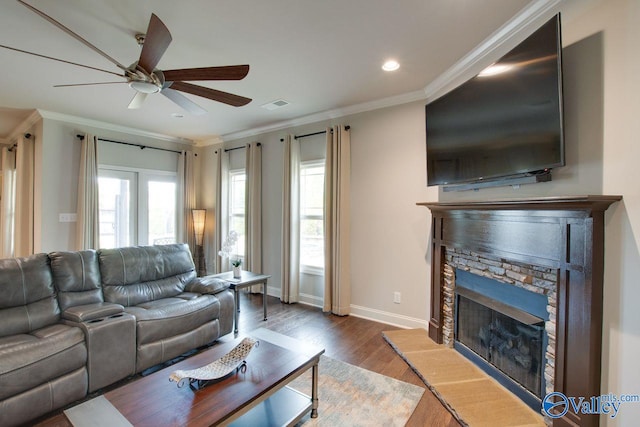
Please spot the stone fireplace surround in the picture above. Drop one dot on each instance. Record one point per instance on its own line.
(564, 235)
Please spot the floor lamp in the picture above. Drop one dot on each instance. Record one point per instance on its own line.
(199, 216)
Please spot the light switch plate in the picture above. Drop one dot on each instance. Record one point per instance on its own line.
(67, 217)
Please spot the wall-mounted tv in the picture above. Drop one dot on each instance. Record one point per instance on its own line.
(504, 123)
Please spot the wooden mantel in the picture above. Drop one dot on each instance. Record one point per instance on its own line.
(588, 203)
(562, 233)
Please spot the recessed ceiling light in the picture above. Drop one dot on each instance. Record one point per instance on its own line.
(390, 65)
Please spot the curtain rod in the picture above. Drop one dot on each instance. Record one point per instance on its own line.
(142, 147)
(15, 145)
(239, 148)
(317, 133)
(313, 134)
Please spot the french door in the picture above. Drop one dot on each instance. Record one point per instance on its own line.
(136, 207)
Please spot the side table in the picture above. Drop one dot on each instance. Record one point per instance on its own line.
(246, 279)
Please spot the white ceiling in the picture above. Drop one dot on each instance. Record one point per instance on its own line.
(318, 55)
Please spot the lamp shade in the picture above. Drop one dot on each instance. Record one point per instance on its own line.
(198, 224)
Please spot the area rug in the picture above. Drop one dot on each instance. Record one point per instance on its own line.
(472, 396)
(352, 396)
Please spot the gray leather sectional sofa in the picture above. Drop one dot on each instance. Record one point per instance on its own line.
(72, 323)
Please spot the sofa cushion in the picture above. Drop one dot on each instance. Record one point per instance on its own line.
(207, 285)
(135, 275)
(167, 317)
(28, 360)
(27, 301)
(76, 276)
(22, 408)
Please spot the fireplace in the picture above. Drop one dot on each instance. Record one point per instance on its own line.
(501, 328)
(533, 241)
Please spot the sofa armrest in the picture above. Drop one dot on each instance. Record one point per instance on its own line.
(207, 285)
(87, 312)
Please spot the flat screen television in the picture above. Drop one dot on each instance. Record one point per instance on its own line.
(506, 122)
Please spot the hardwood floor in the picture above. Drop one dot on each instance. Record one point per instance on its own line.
(350, 339)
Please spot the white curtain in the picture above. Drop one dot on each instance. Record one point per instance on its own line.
(87, 225)
(221, 161)
(253, 210)
(186, 199)
(7, 202)
(290, 273)
(24, 207)
(337, 274)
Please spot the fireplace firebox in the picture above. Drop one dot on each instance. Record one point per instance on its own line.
(505, 345)
(502, 329)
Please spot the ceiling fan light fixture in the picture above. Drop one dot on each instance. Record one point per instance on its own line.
(144, 87)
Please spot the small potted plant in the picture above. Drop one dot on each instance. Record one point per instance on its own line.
(236, 268)
(227, 252)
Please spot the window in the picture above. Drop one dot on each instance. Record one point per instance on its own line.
(237, 188)
(312, 217)
(136, 207)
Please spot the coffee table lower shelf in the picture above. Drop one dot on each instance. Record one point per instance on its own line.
(284, 408)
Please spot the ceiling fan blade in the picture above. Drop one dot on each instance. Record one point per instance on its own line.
(183, 102)
(213, 94)
(61, 60)
(74, 35)
(137, 100)
(156, 42)
(231, 72)
(88, 84)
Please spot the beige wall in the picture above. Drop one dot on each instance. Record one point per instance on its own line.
(617, 21)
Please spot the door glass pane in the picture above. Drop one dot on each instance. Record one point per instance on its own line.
(161, 212)
(114, 212)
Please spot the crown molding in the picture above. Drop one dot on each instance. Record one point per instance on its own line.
(328, 115)
(208, 142)
(112, 127)
(493, 47)
(25, 126)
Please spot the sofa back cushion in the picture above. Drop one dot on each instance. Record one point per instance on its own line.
(139, 274)
(27, 296)
(76, 276)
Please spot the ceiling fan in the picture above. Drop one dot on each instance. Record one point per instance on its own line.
(144, 78)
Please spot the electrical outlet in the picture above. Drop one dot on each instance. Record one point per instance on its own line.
(397, 297)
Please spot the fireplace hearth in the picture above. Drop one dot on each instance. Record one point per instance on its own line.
(528, 242)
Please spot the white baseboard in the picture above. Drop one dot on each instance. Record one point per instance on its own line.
(392, 319)
(380, 316)
(312, 300)
(274, 292)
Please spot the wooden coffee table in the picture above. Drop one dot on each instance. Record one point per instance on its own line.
(259, 396)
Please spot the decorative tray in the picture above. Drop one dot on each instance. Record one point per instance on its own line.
(217, 370)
